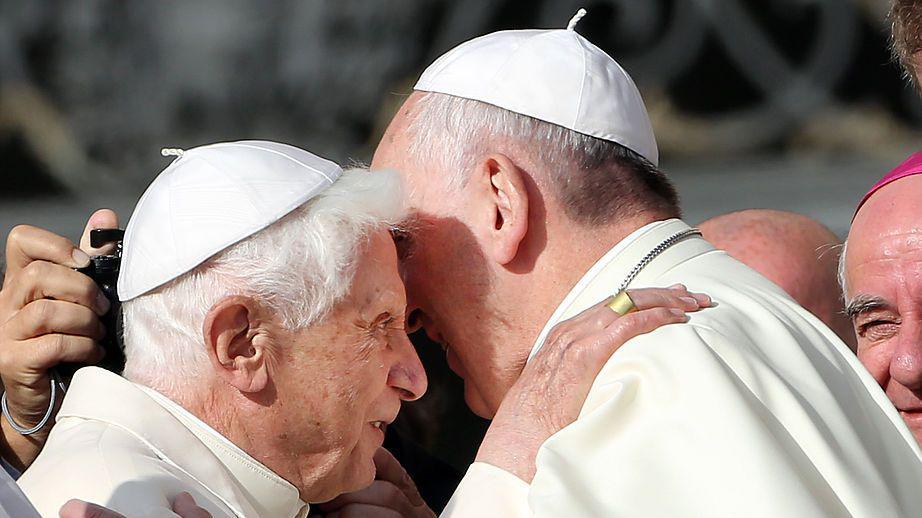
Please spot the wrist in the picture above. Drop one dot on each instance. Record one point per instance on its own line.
(511, 450)
(21, 450)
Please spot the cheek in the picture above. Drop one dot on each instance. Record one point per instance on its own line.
(368, 382)
(876, 359)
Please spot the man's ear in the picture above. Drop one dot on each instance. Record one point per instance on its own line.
(236, 344)
(508, 206)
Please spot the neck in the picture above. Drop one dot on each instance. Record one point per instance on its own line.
(555, 267)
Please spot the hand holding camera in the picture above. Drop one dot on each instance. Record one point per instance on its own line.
(49, 314)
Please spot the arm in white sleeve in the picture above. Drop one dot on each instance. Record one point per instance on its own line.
(487, 490)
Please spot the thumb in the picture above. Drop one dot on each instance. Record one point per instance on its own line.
(102, 218)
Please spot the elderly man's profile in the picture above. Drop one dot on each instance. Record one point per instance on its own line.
(264, 340)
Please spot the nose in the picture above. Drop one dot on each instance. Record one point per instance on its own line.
(407, 374)
(906, 363)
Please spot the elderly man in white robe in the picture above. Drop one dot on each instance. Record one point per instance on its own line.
(264, 339)
(536, 193)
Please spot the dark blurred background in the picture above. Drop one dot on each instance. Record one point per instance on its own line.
(787, 104)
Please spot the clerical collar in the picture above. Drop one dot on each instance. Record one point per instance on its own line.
(179, 438)
(250, 473)
(589, 277)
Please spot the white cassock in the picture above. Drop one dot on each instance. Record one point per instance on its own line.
(131, 449)
(752, 409)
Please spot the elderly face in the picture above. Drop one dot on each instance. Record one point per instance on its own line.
(344, 378)
(884, 293)
(446, 274)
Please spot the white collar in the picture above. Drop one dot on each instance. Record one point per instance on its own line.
(252, 475)
(243, 484)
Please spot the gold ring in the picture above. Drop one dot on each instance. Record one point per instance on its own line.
(622, 304)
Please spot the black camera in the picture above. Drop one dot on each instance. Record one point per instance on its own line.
(103, 269)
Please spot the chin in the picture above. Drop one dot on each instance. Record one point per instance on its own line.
(361, 478)
(476, 403)
(349, 474)
(361, 471)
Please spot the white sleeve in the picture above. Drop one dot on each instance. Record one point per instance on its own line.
(486, 491)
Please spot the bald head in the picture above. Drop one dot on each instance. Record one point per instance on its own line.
(795, 252)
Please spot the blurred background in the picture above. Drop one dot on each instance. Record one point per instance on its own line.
(786, 104)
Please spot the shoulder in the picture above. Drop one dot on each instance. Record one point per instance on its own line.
(754, 348)
(96, 462)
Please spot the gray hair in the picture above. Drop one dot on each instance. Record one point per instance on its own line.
(300, 267)
(595, 180)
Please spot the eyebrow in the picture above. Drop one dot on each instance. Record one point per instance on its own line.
(864, 303)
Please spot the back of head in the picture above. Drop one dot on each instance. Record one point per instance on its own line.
(560, 107)
(795, 252)
(256, 219)
(596, 181)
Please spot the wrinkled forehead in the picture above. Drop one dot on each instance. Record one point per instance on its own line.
(884, 251)
(884, 260)
(890, 221)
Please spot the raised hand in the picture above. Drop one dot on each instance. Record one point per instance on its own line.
(49, 314)
(553, 386)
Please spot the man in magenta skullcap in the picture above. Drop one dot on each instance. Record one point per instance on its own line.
(881, 275)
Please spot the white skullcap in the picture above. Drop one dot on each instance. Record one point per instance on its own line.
(210, 198)
(556, 76)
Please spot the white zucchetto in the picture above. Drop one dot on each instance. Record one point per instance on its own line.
(556, 76)
(209, 198)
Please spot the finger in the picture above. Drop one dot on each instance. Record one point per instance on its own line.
(584, 324)
(102, 218)
(364, 511)
(389, 469)
(604, 344)
(46, 351)
(47, 316)
(642, 322)
(647, 298)
(380, 493)
(80, 509)
(45, 280)
(184, 505)
(703, 300)
(26, 244)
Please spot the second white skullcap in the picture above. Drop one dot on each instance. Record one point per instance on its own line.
(209, 198)
(556, 76)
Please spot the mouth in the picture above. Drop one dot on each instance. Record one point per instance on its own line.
(380, 425)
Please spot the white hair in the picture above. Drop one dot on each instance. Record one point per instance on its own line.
(455, 132)
(594, 178)
(300, 267)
